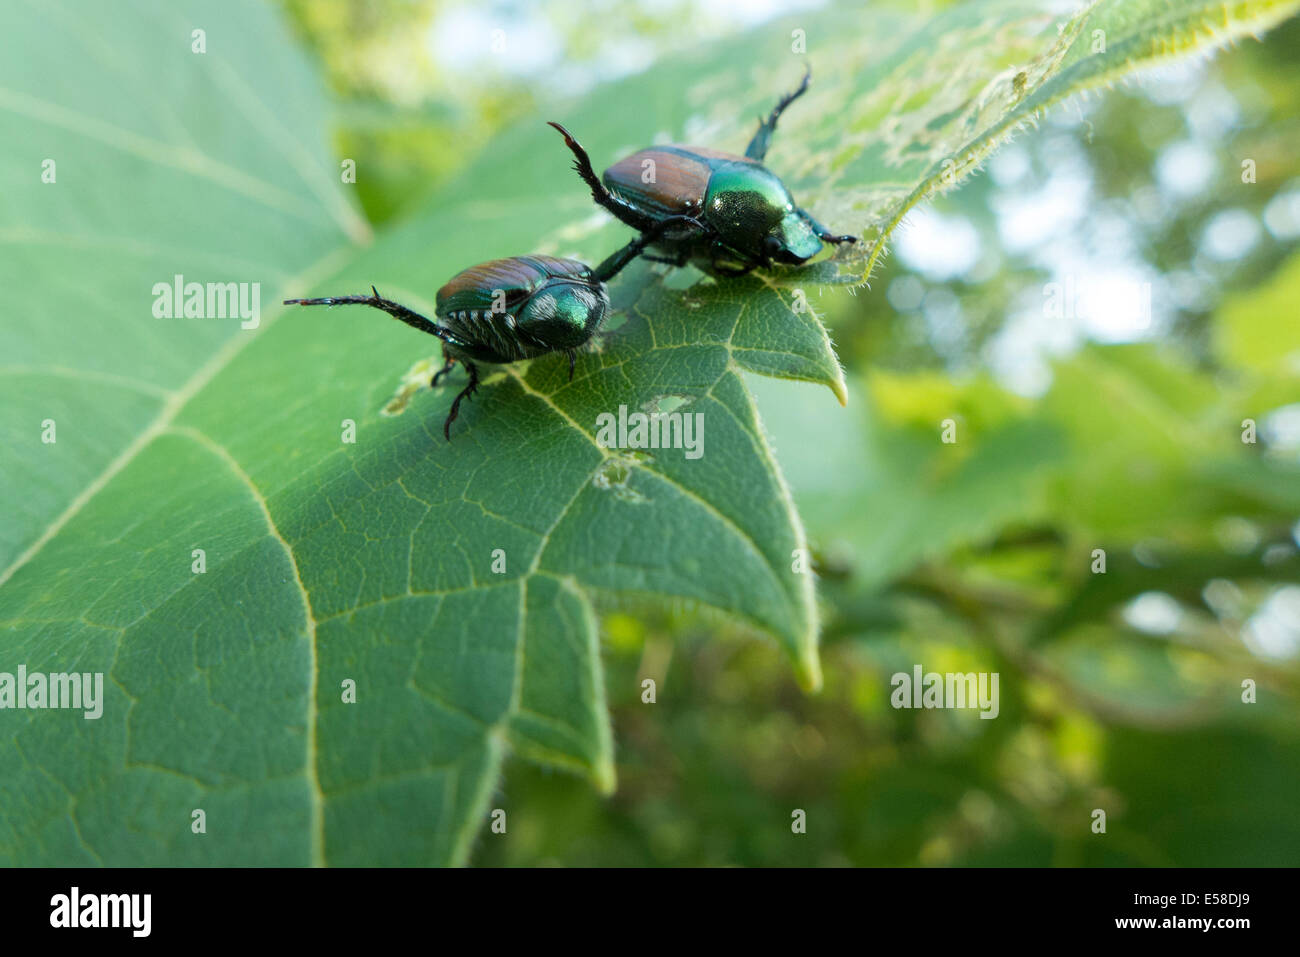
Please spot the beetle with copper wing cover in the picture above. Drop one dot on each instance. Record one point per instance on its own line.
(506, 310)
(742, 215)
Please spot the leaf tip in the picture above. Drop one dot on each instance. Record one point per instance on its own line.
(841, 391)
(808, 670)
(604, 777)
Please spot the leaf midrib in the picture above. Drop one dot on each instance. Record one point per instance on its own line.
(1266, 14)
(173, 405)
(163, 424)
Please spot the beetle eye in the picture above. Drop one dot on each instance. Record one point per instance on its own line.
(771, 245)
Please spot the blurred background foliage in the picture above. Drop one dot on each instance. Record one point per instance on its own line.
(1098, 311)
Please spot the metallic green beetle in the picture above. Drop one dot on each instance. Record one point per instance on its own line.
(745, 215)
(506, 310)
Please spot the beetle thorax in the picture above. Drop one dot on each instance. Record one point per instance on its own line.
(564, 313)
(745, 203)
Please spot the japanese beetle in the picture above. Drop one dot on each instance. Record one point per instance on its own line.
(746, 216)
(506, 310)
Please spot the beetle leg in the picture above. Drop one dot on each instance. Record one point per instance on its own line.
(621, 208)
(394, 309)
(726, 261)
(824, 234)
(729, 270)
(757, 147)
(463, 394)
(448, 364)
(615, 263)
(681, 259)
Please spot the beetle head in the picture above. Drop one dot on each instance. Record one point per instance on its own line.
(792, 241)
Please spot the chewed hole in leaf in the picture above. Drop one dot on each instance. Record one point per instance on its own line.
(663, 404)
(613, 475)
(415, 379)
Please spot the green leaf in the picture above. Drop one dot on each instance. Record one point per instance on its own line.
(1229, 778)
(1256, 331)
(979, 72)
(326, 562)
(912, 496)
(902, 106)
(1158, 447)
(377, 562)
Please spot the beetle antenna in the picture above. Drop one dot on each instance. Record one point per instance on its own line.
(394, 309)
